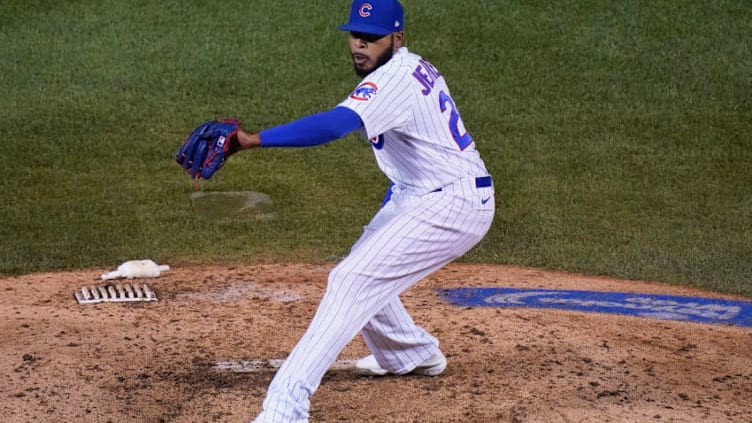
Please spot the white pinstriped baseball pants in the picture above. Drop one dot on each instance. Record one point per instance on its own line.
(409, 238)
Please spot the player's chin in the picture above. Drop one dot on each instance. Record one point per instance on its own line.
(362, 69)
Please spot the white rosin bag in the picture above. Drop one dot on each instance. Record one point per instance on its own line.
(137, 269)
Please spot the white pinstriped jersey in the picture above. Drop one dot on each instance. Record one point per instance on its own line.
(421, 144)
(414, 126)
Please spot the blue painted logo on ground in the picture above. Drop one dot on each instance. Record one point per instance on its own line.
(667, 307)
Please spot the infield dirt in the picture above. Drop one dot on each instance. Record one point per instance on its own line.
(154, 362)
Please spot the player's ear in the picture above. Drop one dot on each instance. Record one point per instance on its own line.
(399, 38)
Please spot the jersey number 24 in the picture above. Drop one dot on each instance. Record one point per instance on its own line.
(455, 121)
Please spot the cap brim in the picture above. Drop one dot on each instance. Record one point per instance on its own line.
(366, 29)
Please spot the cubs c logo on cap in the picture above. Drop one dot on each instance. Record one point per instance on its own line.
(365, 10)
(376, 17)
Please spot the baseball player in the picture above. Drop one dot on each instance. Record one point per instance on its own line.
(440, 203)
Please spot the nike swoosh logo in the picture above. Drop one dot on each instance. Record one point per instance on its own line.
(485, 200)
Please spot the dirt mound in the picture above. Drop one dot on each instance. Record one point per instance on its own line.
(156, 362)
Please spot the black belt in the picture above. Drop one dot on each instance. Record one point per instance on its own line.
(480, 182)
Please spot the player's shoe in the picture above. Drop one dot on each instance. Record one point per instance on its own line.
(434, 366)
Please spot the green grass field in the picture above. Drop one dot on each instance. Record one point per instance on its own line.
(619, 134)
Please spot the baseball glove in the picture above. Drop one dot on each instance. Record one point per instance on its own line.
(207, 148)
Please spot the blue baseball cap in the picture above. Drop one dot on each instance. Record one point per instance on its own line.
(377, 17)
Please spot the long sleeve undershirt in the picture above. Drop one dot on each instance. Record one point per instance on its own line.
(316, 129)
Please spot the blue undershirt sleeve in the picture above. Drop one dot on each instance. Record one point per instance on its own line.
(312, 130)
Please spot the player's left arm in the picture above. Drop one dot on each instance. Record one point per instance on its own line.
(209, 146)
(309, 131)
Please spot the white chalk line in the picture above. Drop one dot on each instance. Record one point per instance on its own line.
(272, 364)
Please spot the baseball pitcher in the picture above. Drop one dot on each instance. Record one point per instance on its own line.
(440, 203)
